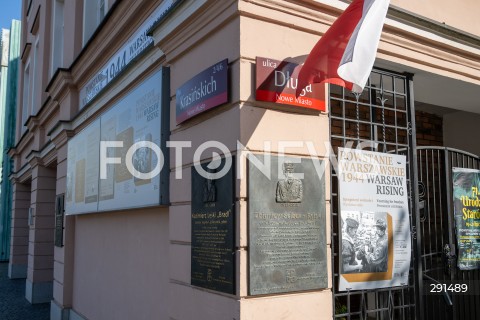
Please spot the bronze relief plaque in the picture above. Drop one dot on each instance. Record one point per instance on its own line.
(286, 213)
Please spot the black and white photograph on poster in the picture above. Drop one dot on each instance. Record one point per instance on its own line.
(374, 218)
(364, 242)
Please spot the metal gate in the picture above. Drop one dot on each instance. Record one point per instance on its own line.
(437, 232)
(382, 114)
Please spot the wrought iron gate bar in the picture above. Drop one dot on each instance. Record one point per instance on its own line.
(366, 140)
(435, 170)
(452, 151)
(366, 122)
(365, 104)
(434, 180)
(414, 212)
(441, 200)
(361, 119)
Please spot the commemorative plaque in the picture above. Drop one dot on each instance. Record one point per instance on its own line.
(213, 229)
(287, 246)
(59, 216)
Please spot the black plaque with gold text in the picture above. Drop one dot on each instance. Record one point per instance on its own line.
(59, 216)
(287, 245)
(213, 229)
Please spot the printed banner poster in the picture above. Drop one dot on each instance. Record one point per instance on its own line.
(375, 227)
(466, 189)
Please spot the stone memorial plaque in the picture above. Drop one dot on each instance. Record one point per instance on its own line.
(213, 230)
(287, 246)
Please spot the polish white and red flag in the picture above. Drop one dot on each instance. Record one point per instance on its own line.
(345, 54)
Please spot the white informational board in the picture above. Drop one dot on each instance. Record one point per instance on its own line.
(135, 118)
(375, 245)
(83, 170)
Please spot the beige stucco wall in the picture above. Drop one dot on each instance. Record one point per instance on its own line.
(216, 37)
(271, 33)
(461, 14)
(121, 265)
(251, 123)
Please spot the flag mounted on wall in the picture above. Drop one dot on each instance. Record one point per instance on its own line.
(345, 54)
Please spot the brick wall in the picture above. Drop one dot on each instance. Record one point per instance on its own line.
(429, 129)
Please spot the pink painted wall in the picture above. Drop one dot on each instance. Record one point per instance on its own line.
(121, 259)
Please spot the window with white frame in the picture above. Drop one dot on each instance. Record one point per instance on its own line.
(93, 13)
(57, 36)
